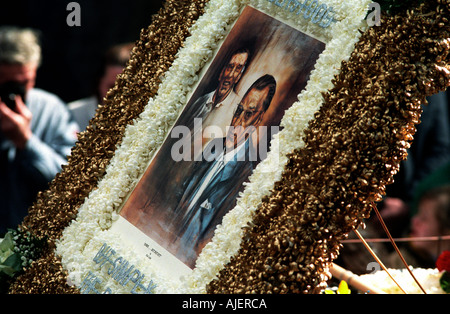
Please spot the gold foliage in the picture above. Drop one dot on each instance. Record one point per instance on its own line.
(353, 148)
(55, 208)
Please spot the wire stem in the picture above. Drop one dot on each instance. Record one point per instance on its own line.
(377, 259)
(395, 247)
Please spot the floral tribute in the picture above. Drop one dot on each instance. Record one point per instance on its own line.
(58, 206)
(352, 148)
(338, 154)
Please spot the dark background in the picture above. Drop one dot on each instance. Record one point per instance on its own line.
(72, 55)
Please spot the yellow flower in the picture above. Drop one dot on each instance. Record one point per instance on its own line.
(343, 288)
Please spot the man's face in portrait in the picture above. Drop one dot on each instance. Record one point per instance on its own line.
(230, 75)
(248, 114)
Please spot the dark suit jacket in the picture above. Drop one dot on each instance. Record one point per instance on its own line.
(197, 226)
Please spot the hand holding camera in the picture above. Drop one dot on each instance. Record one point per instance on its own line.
(15, 118)
(9, 91)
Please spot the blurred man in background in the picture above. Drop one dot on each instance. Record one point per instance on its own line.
(36, 128)
(114, 61)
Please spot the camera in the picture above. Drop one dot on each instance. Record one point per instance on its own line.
(8, 92)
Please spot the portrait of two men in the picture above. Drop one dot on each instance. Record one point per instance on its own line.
(222, 134)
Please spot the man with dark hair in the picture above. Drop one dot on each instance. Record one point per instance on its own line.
(37, 131)
(222, 100)
(167, 172)
(215, 109)
(213, 186)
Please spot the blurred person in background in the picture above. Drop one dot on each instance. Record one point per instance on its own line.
(427, 166)
(429, 151)
(114, 61)
(431, 220)
(37, 131)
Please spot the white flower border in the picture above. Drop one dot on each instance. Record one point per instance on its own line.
(86, 234)
(428, 277)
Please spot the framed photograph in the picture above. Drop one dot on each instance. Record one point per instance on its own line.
(224, 133)
(233, 105)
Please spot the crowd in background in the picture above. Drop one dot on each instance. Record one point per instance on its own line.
(52, 78)
(417, 204)
(38, 129)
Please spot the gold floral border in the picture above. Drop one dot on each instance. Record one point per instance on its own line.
(352, 149)
(297, 228)
(55, 208)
